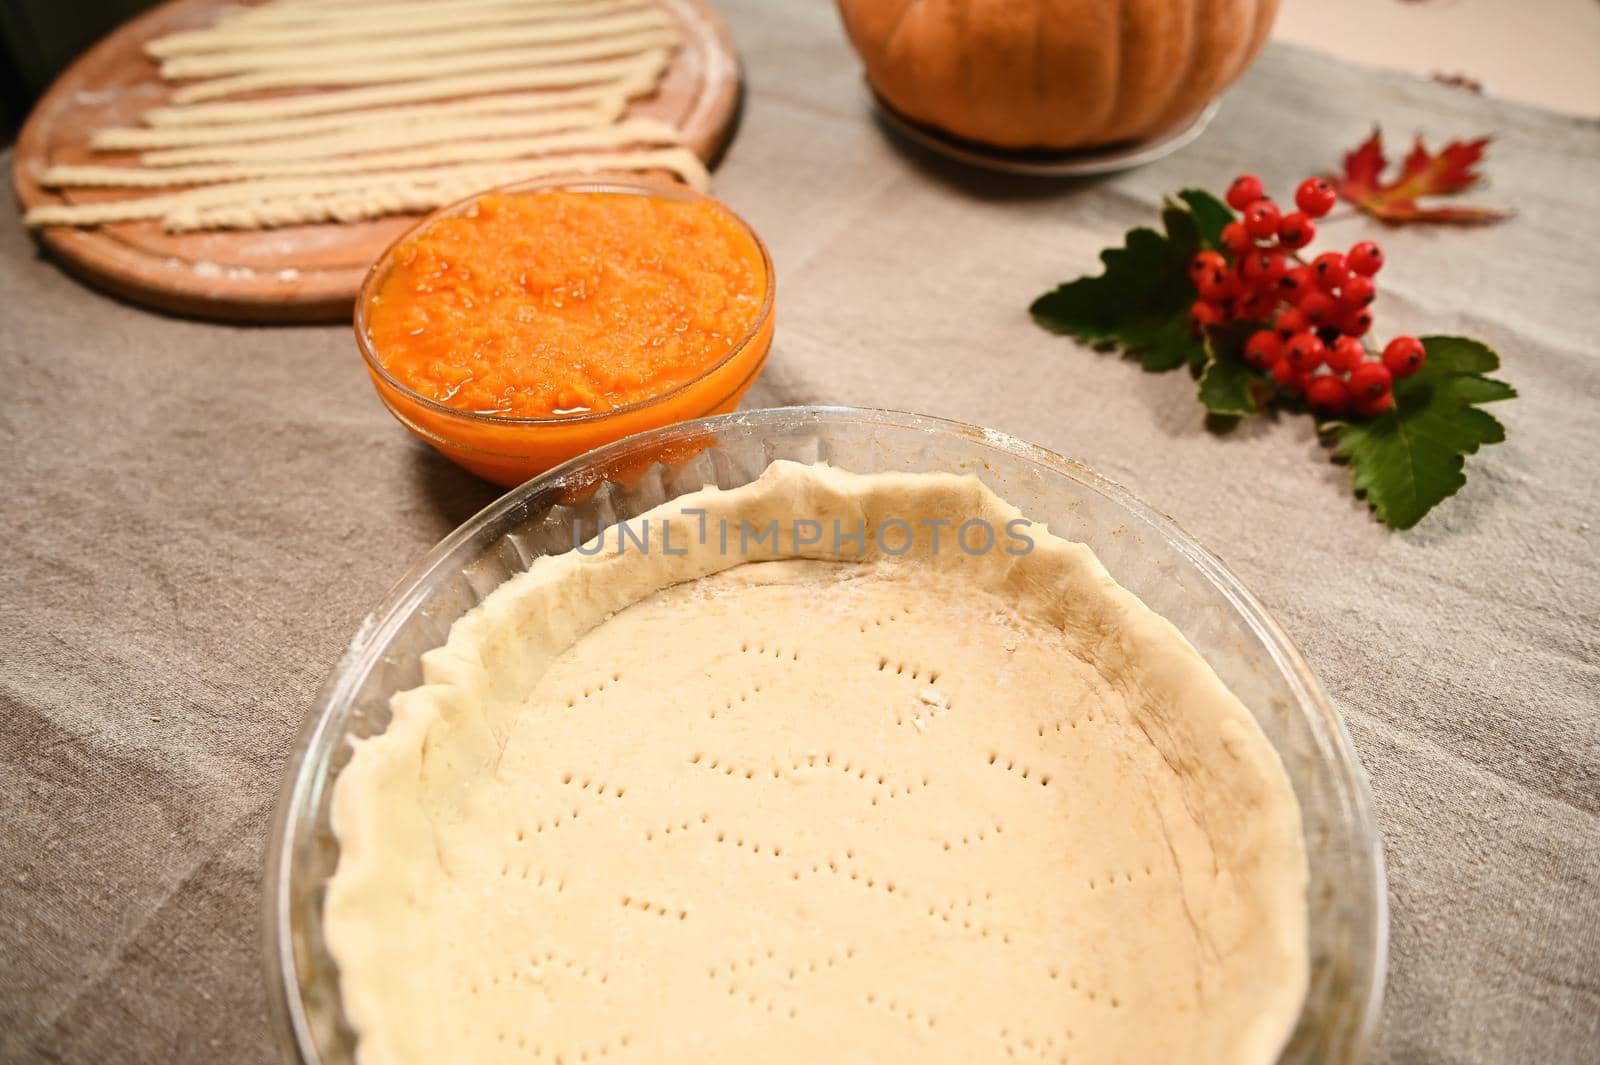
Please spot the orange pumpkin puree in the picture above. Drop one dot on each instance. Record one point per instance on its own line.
(564, 303)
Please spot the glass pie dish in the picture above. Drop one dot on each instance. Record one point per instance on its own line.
(1143, 550)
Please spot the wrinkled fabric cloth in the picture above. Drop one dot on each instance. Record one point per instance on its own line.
(198, 516)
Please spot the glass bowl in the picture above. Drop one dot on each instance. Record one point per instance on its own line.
(509, 450)
(1142, 549)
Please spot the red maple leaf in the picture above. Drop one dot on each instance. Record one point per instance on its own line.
(1423, 173)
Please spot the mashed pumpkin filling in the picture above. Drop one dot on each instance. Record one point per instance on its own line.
(566, 302)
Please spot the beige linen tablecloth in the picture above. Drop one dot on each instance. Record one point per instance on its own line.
(197, 517)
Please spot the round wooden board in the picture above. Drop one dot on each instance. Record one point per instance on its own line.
(296, 273)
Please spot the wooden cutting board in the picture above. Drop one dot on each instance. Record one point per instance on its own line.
(296, 273)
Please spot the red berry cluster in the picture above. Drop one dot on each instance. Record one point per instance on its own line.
(1318, 311)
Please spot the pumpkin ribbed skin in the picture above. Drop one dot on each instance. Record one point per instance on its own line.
(1054, 73)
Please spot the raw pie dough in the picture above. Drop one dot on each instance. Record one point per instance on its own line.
(934, 808)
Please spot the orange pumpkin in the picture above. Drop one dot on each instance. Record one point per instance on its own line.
(1055, 74)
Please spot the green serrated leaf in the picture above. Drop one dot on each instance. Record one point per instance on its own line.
(1183, 233)
(1160, 343)
(1227, 383)
(1210, 215)
(1407, 461)
(1228, 389)
(1140, 304)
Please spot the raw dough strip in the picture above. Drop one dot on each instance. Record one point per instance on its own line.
(253, 60)
(385, 200)
(351, 124)
(393, 10)
(435, 19)
(648, 65)
(414, 197)
(295, 200)
(638, 131)
(546, 57)
(341, 5)
(389, 137)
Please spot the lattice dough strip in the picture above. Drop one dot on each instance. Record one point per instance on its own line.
(187, 209)
(271, 135)
(403, 198)
(648, 65)
(393, 10)
(638, 131)
(428, 67)
(367, 52)
(433, 20)
(392, 136)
